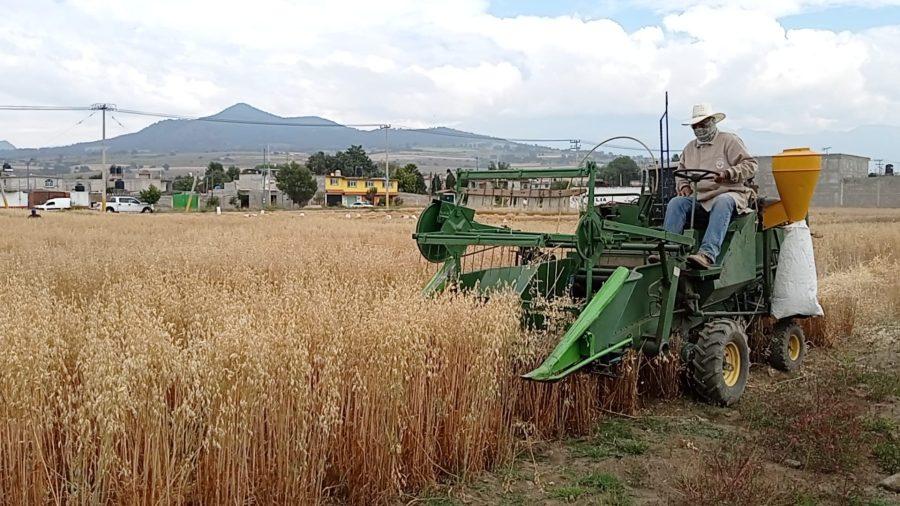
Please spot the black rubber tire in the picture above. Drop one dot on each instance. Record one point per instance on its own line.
(146, 210)
(707, 363)
(110, 210)
(781, 356)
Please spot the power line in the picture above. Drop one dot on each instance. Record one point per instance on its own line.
(69, 129)
(43, 108)
(437, 131)
(117, 121)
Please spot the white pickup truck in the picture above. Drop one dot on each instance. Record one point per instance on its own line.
(55, 204)
(127, 205)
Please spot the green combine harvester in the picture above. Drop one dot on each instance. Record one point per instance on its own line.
(624, 299)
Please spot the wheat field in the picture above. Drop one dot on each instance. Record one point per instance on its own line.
(289, 358)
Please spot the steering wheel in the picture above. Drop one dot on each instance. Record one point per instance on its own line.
(695, 175)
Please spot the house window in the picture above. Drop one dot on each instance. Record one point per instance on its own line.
(351, 184)
(334, 182)
(48, 183)
(370, 184)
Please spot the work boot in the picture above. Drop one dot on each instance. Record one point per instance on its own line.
(653, 258)
(700, 260)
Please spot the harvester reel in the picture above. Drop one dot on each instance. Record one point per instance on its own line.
(429, 222)
(589, 237)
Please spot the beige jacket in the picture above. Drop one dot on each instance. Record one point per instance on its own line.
(726, 155)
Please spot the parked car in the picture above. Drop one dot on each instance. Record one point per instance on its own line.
(361, 203)
(55, 204)
(127, 205)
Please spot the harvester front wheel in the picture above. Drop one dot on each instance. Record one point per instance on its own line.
(788, 346)
(720, 362)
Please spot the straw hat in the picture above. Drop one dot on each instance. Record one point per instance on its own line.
(701, 112)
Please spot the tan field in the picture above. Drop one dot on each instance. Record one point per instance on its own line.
(290, 358)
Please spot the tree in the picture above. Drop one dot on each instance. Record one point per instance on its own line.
(620, 171)
(562, 184)
(183, 183)
(450, 180)
(215, 174)
(352, 162)
(296, 181)
(435, 184)
(355, 161)
(675, 157)
(409, 179)
(322, 164)
(151, 195)
(232, 174)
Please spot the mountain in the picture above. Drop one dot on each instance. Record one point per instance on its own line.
(5, 145)
(243, 127)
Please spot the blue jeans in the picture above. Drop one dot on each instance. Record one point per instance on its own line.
(678, 213)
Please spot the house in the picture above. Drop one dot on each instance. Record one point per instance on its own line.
(345, 191)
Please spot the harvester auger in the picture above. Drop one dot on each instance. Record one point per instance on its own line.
(623, 299)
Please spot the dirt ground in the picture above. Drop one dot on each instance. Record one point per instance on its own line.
(836, 447)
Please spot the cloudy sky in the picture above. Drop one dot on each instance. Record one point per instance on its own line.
(553, 68)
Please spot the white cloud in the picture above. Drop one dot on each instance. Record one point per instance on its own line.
(435, 62)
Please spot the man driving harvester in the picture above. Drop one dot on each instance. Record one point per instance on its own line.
(719, 195)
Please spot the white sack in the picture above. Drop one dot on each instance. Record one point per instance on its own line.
(794, 293)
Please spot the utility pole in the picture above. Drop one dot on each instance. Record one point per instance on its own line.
(826, 149)
(262, 195)
(387, 170)
(103, 176)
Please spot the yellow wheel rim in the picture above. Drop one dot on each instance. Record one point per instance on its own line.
(794, 347)
(731, 364)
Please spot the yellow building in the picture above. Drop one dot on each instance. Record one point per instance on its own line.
(347, 191)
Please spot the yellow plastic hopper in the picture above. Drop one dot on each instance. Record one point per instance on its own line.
(796, 172)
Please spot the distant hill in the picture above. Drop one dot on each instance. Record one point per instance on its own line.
(5, 145)
(222, 135)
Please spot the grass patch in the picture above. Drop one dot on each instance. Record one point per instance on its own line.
(887, 455)
(603, 482)
(568, 493)
(602, 488)
(880, 385)
(613, 438)
(880, 425)
(701, 429)
(438, 501)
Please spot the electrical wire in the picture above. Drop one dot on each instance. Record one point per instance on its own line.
(209, 119)
(69, 129)
(43, 108)
(117, 121)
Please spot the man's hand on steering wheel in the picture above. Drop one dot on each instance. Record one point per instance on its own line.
(685, 191)
(720, 178)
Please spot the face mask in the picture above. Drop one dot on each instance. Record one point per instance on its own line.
(705, 133)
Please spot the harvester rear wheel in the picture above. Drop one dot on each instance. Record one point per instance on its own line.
(788, 346)
(720, 362)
